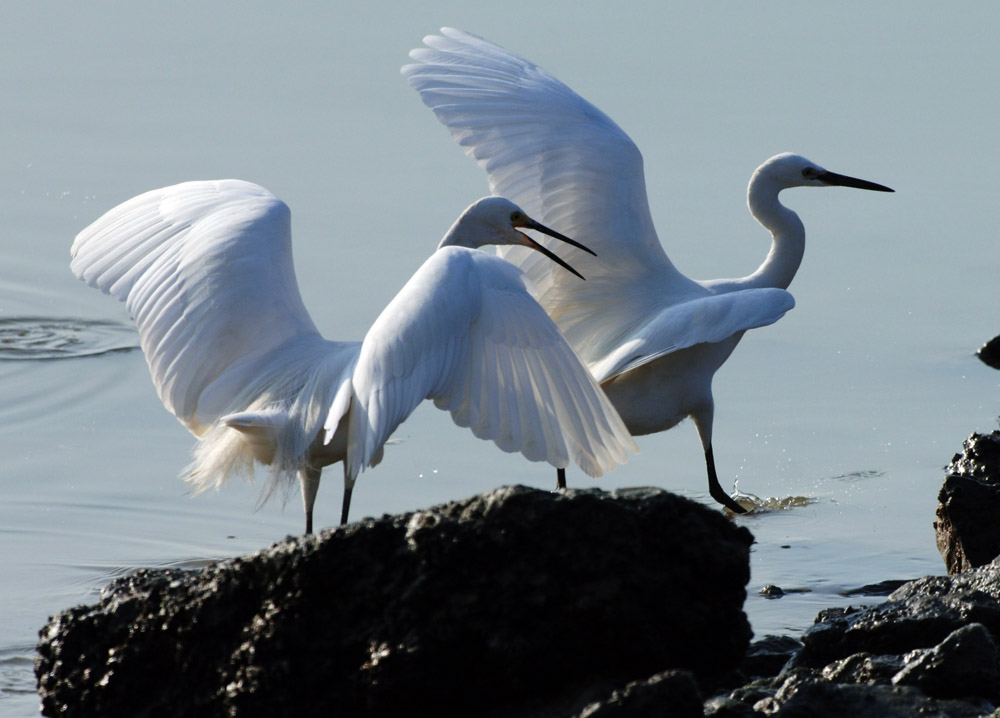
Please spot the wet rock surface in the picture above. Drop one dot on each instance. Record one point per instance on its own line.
(930, 649)
(980, 459)
(967, 528)
(963, 664)
(517, 602)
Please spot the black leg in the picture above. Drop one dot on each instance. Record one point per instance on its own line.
(347, 503)
(560, 478)
(715, 489)
(309, 481)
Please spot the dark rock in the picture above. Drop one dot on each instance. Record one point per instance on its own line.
(806, 696)
(509, 603)
(967, 530)
(672, 693)
(929, 650)
(920, 614)
(767, 656)
(725, 707)
(963, 665)
(753, 692)
(980, 459)
(989, 353)
(771, 591)
(864, 668)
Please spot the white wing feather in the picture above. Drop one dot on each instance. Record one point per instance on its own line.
(544, 147)
(705, 319)
(465, 332)
(572, 168)
(205, 269)
(569, 166)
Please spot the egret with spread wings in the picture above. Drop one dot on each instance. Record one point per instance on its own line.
(651, 336)
(205, 270)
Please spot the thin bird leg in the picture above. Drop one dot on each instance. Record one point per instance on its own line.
(560, 478)
(309, 482)
(348, 488)
(715, 489)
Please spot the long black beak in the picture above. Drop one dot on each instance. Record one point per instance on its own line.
(538, 227)
(832, 178)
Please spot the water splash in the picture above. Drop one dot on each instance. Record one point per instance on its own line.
(32, 338)
(757, 505)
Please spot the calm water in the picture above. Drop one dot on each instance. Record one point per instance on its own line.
(855, 400)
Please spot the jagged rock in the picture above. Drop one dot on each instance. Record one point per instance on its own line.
(967, 530)
(963, 665)
(672, 693)
(864, 668)
(920, 614)
(980, 458)
(508, 603)
(803, 695)
(929, 650)
(726, 707)
(767, 656)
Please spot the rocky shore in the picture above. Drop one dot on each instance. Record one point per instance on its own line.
(520, 602)
(968, 513)
(515, 602)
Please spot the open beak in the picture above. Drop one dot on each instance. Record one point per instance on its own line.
(538, 227)
(832, 178)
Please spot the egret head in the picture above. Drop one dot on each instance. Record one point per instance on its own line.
(497, 220)
(791, 170)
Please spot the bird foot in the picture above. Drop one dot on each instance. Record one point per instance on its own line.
(726, 500)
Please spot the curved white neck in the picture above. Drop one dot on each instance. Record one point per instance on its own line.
(466, 232)
(788, 235)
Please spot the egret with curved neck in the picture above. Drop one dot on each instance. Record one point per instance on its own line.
(205, 269)
(651, 336)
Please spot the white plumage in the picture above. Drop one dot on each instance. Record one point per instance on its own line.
(205, 269)
(653, 337)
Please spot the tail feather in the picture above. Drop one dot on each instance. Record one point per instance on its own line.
(278, 421)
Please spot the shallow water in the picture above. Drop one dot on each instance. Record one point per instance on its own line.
(840, 417)
(33, 338)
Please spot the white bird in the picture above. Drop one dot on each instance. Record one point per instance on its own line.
(205, 269)
(651, 336)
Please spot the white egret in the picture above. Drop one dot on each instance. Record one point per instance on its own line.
(651, 336)
(205, 269)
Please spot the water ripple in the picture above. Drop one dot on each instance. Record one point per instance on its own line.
(59, 338)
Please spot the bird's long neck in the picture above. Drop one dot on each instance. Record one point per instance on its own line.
(463, 234)
(788, 235)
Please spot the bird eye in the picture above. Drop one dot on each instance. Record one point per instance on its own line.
(516, 217)
(810, 173)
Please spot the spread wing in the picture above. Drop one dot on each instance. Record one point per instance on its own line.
(205, 269)
(465, 332)
(702, 320)
(568, 165)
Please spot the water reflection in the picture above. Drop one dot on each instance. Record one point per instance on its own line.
(858, 475)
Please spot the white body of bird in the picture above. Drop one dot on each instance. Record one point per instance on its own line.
(653, 337)
(205, 270)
